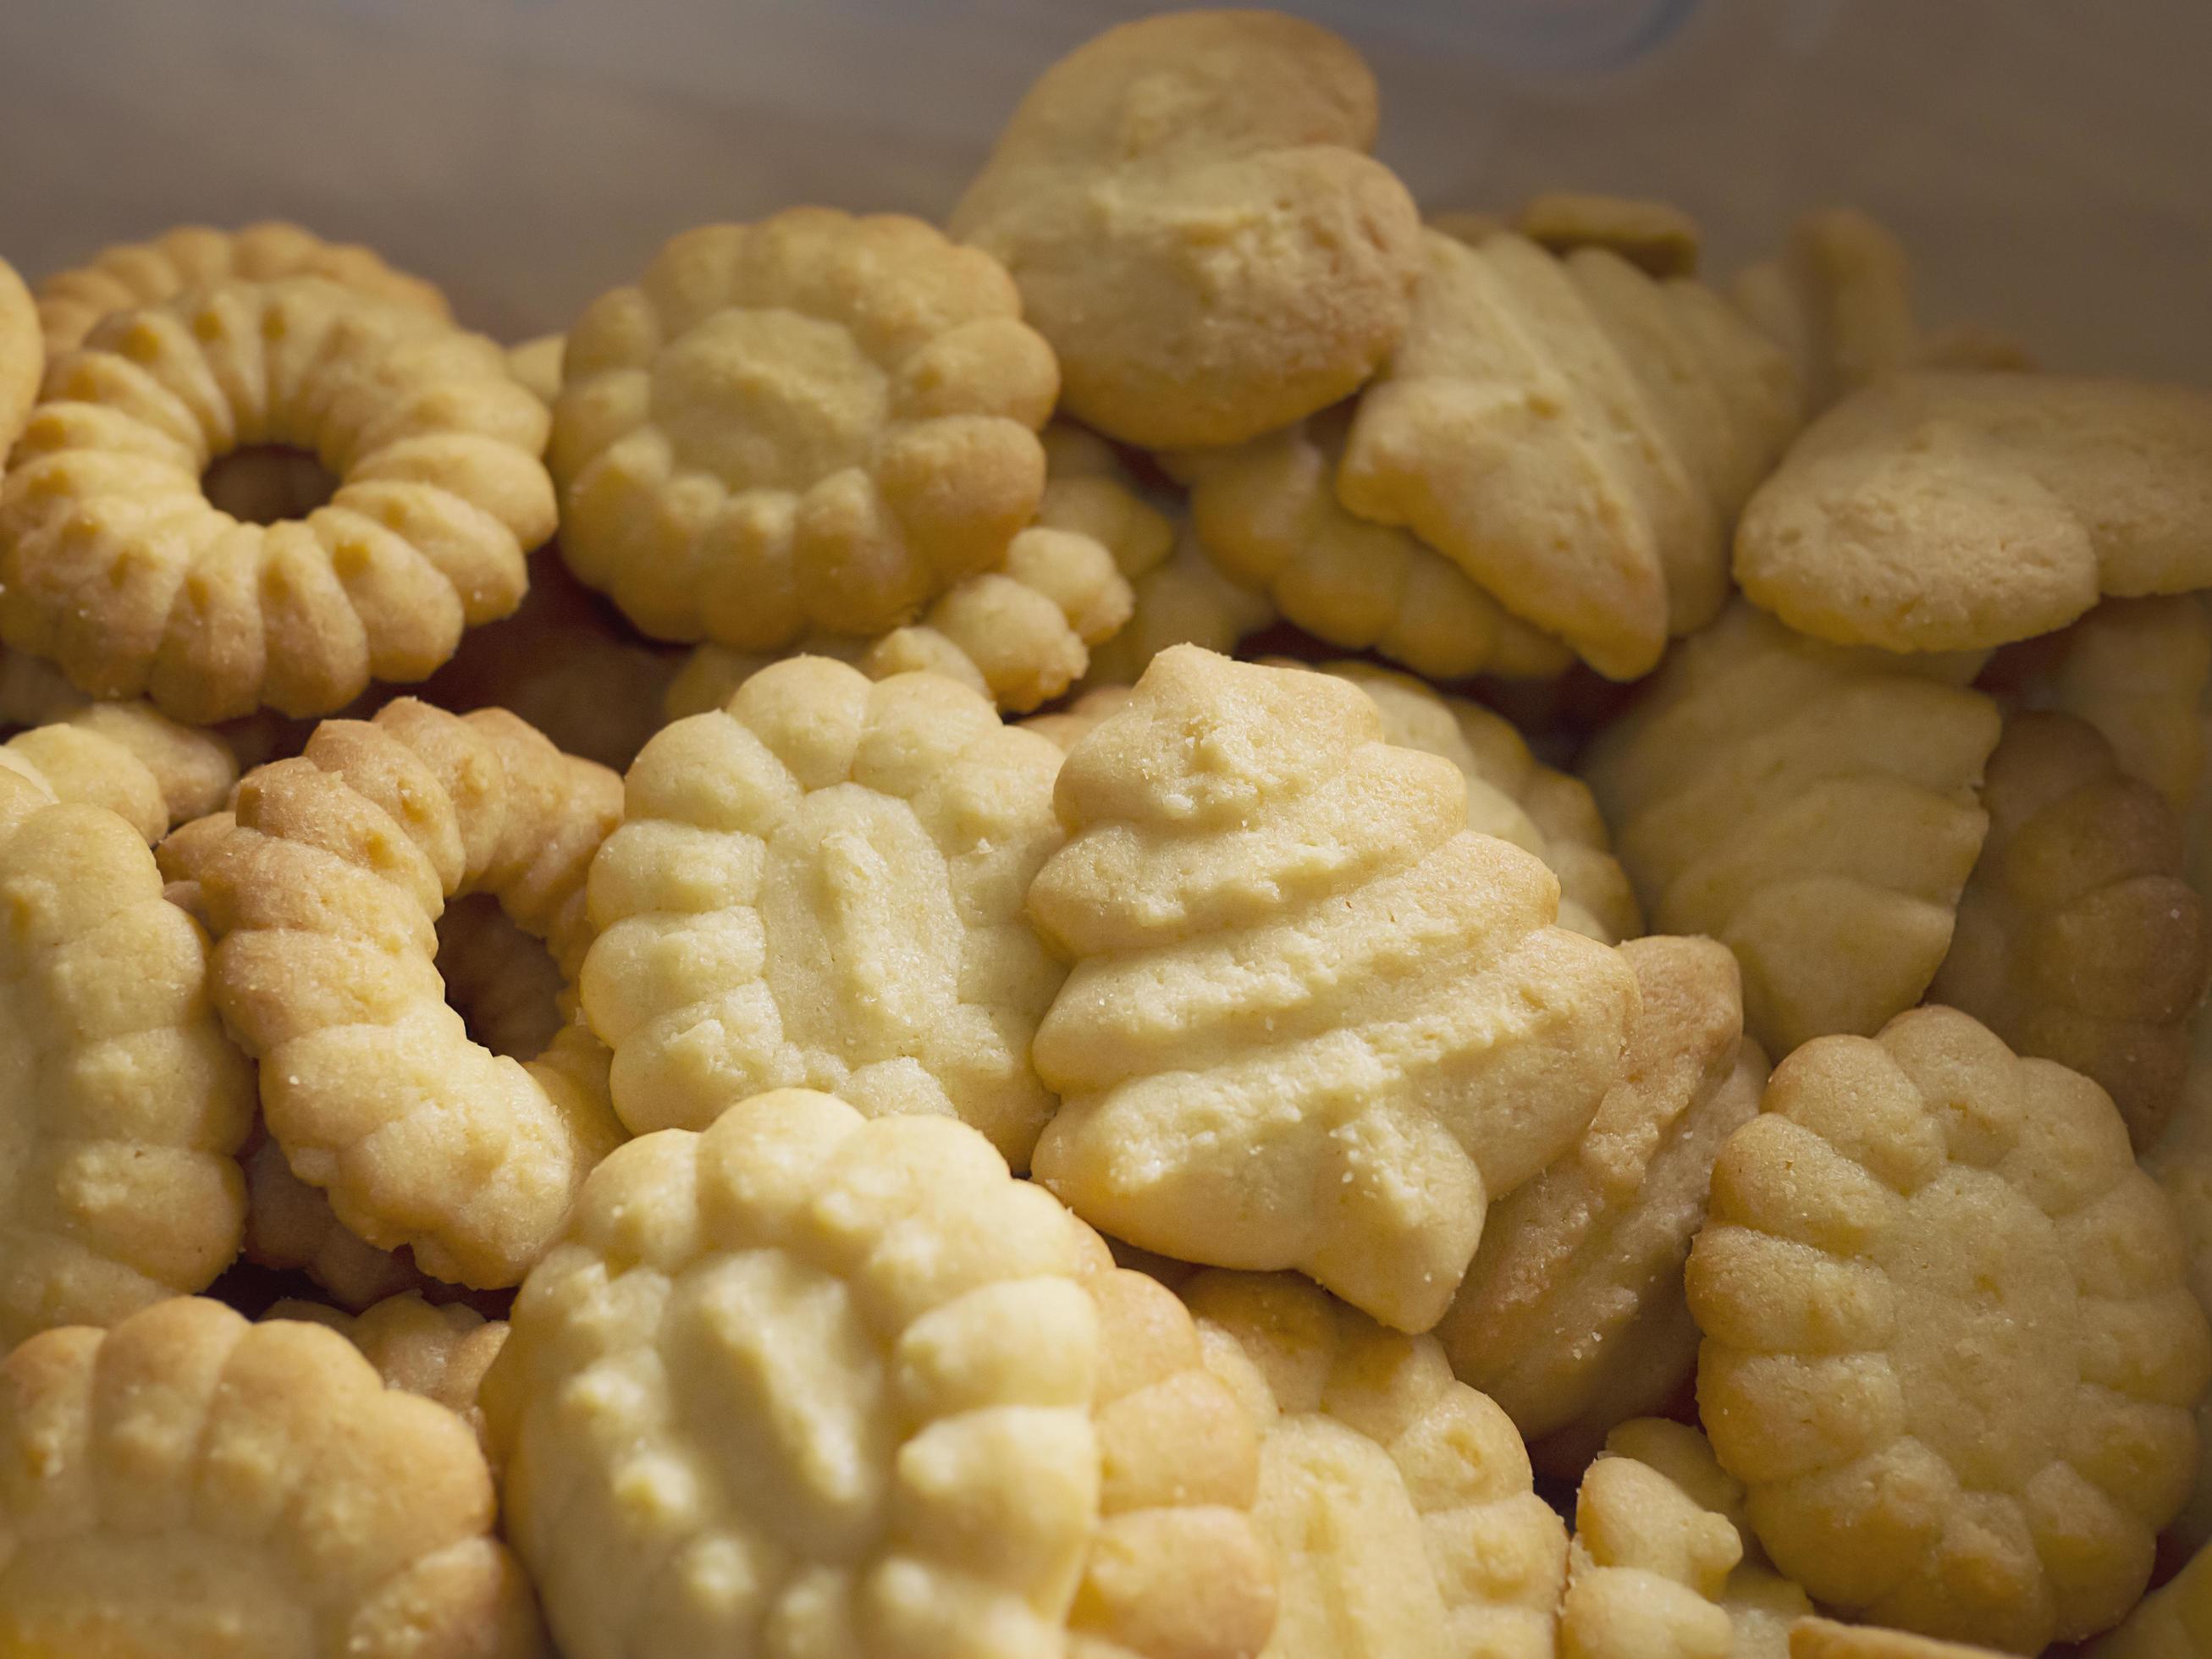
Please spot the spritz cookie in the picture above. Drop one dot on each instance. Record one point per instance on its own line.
(2174, 1622)
(1657, 238)
(438, 1353)
(291, 1228)
(22, 357)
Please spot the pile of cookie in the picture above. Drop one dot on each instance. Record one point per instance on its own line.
(1192, 920)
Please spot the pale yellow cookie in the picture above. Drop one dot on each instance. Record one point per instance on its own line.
(438, 1353)
(114, 563)
(1184, 600)
(1268, 513)
(1187, 204)
(2078, 939)
(821, 885)
(1813, 808)
(1512, 795)
(1397, 1501)
(810, 1383)
(2172, 1622)
(1837, 299)
(1946, 512)
(537, 363)
(22, 357)
(1063, 727)
(291, 1228)
(1313, 1020)
(1950, 1349)
(815, 421)
(2181, 1162)
(1571, 1316)
(324, 885)
(1657, 238)
(1827, 1639)
(1664, 1564)
(128, 274)
(122, 755)
(187, 1483)
(2138, 671)
(123, 1107)
(1574, 436)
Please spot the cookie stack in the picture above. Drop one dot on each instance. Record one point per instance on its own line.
(1192, 919)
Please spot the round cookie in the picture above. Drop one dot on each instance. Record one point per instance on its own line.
(1313, 1021)
(187, 1483)
(1397, 1502)
(815, 421)
(324, 885)
(2078, 939)
(809, 1381)
(1571, 1316)
(1188, 205)
(1949, 1349)
(118, 567)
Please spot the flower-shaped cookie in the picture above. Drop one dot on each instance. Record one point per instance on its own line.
(1268, 513)
(1313, 1021)
(2172, 1622)
(22, 357)
(1664, 1565)
(291, 1228)
(438, 1353)
(1574, 436)
(2138, 671)
(118, 567)
(1949, 1349)
(1020, 633)
(1572, 1317)
(1811, 807)
(1397, 1500)
(188, 1484)
(124, 1107)
(816, 422)
(122, 755)
(821, 884)
(324, 885)
(1949, 511)
(1188, 205)
(133, 274)
(809, 1382)
(1512, 795)
(2078, 941)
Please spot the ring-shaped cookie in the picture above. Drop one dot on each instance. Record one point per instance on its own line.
(323, 886)
(117, 565)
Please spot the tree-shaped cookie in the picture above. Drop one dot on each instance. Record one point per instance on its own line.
(1664, 1564)
(1313, 1020)
(1572, 1317)
(188, 1484)
(809, 1382)
(1949, 1348)
(1956, 511)
(817, 421)
(1811, 807)
(822, 884)
(1188, 205)
(2078, 939)
(1397, 1500)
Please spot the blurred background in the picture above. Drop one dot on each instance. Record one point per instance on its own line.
(2050, 161)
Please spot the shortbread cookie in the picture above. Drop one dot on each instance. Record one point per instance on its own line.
(291, 1228)
(324, 885)
(1664, 1564)
(188, 1483)
(1837, 299)
(117, 566)
(22, 357)
(1956, 512)
(1949, 1348)
(1397, 1500)
(2138, 671)
(808, 1380)
(1657, 238)
(1512, 795)
(821, 885)
(1574, 436)
(122, 755)
(2078, 939)
(128, 275)
(566, 664)
(1827, 1639)
(438, 1353)
(2172, 1622)
(1313, 1020)
(1188, 205)
(1066, 726)
(1813, 808)
(537, 364)
(124, 1107)
(1572, 1316)
(1268, 513)
(815, 421)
